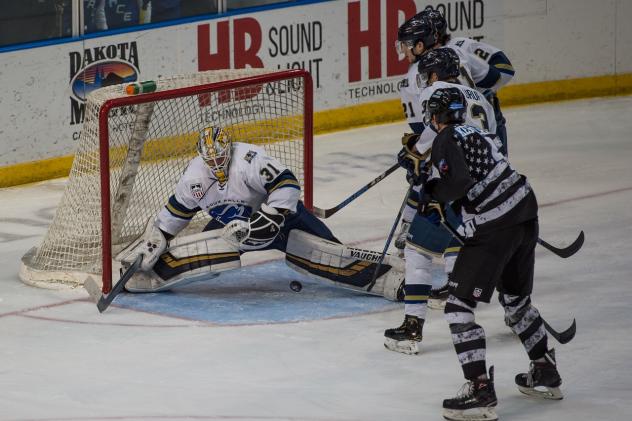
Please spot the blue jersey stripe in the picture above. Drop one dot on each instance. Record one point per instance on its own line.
(285, 179)
(178, 210)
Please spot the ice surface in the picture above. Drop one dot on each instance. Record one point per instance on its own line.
(245, 347)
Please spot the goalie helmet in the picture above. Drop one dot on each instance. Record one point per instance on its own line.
(447, 106)
(215, 147)
(444, 62)
(416, 29)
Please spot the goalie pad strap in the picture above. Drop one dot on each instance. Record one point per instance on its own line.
(344, 266)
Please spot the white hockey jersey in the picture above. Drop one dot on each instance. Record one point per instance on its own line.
(253, 178)
(480, 112)
(478, 57)
(410, 93)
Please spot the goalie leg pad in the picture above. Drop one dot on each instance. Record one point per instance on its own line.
(190, 256)
(344, 266)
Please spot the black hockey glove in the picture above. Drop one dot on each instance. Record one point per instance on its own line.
(416, 165)
(429, 207)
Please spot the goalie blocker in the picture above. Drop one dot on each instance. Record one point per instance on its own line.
(208, 253)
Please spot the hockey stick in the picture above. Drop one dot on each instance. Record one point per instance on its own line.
(326, 213)
(389, 239)
(561, 252)
(563, 337)
(566, 251)
(104, 300)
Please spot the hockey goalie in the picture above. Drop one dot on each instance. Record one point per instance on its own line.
(254, 204)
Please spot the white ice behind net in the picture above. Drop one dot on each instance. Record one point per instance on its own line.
(268, 114)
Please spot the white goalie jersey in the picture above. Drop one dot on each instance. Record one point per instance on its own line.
(253, 178)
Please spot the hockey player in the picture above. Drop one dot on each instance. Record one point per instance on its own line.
(255, 201)
(437, 69)
(499, 231)
(488, 66)
(416, 37)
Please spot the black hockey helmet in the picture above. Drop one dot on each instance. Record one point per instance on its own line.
(442, 61)
(418, 28)
(447, 105)
(439, 22)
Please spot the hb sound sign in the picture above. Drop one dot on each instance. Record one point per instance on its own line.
(257, 42)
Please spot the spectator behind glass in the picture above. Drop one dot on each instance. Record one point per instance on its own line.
(111, 14)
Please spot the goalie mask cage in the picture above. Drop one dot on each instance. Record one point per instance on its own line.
(134, 148)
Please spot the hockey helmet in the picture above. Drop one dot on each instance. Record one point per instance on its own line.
(439, 22)
(447, 105)
(215, 147)
(442, 61)
(416, 29)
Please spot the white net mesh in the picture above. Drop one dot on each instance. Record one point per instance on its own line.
(149, 147)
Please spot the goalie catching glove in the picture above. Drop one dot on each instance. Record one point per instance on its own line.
(417, 165)
(258, 232)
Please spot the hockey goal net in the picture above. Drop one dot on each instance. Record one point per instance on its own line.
(133, 149)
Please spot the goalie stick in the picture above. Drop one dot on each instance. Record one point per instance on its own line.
(326, 213)
(104, 300)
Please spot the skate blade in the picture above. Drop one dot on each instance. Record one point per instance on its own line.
(405, 347)
(552, 393)
(475, 414)
(434, 304)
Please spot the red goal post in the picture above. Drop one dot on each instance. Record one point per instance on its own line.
(134, 147)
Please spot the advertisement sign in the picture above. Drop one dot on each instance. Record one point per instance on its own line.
(348, 47)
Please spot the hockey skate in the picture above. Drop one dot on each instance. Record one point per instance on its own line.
(542, 380)
(438, 297)
(475, 401)
(406, 338)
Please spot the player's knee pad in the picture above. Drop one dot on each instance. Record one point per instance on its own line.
(190, 256)
(345, 266)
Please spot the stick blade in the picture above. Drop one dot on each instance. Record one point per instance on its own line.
(93, 288)
(577, 244)
(104, 301)
(320, 213)
(566, 251)
(565, 336)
